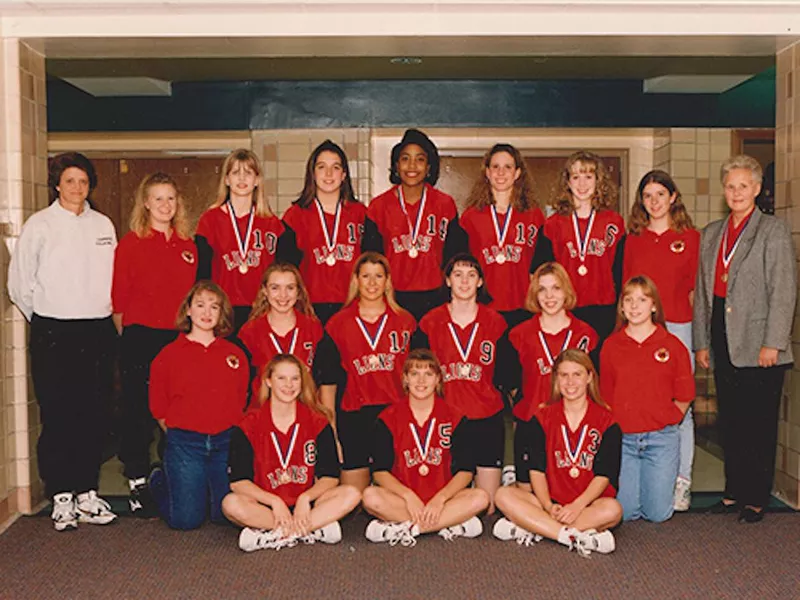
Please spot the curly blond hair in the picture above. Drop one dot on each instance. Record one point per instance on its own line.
(605, 194)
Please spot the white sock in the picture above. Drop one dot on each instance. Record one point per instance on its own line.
(415, 530)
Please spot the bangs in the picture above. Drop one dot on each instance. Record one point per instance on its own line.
(583, 166)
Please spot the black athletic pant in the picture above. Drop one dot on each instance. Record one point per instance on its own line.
(139, 347)
(71, 365)
(748, 402)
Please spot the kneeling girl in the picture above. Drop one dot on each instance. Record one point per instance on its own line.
(283, 459)
(573, 461)
(421, 464)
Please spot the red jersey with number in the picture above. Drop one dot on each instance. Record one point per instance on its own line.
(642, 381)
(215, 225)
(327, 283)
(263, 343)
(670, 260)
(596, 286)
(298, 447)
(468, 378)
(584, 447)
(373, 371)
(425, 271)
(152, 276)
(408, 459)
(507, 280)
(532, 345)
(199, 388)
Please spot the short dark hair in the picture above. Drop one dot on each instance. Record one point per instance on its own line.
(62, 162)
(415, 136)
(484, 297)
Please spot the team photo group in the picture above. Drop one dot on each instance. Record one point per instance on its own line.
(386, 356)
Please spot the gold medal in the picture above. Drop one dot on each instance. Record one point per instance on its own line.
(501, 258)
(574, 472)
(243, 269)
(582, 270)
(413, 252)
(424, 470)
(330, 260)
(724, 278)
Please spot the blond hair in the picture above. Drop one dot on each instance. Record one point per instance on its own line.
(557, 271)
(261, 304)
(225, 324)
(140, 215)
(605, 193)
(742, 161)
(423, 357)
(249, 159)
(373, 258)
(649, 289)
(308, 391)
(579, 357)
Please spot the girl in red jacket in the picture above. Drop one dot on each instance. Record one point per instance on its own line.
(648, 382)
(282, 460)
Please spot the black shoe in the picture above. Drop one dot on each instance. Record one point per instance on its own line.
(722, 508)
(749, 514)
(141, 502)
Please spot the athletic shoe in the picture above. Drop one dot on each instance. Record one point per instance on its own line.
(141, 501)
(469, 529)
(330, 534)
(683, 494)
(594, 541)
(509, 476)
(64, 515)
(395, 533)
(251, 539)
(722, 508)
(93, 509)
(505, 530)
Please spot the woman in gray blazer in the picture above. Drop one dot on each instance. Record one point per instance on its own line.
(743, 309)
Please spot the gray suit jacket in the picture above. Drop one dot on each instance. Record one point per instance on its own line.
(762, 290)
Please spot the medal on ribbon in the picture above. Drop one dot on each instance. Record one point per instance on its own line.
(292, 344)
(582, 241)
(500, 233)
(285, 477)
(372, 359)
(463, 368)
(423, 449)
(413, 230)
(330, 236)
(242, 244)
(573, 456)
(727, 255)
(543, 341)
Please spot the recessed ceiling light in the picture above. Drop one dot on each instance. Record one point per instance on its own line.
(405, 60)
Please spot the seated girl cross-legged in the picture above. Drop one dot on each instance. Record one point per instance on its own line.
(421, 464)
(282, 461)
(572, 449)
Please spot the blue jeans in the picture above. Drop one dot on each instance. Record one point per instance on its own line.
(194, 480)
(683, 331)
(647, 474)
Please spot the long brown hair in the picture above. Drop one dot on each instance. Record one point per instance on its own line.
(679, 218)
(140, 216)
(649, 289)
(521, 195)
(557, 271)
(308, 391)
(579, 357)
(605, 194)
(423, 357)
(373, 258)
(224, 326)
(249, 159)
(261, 304)
(309, 192)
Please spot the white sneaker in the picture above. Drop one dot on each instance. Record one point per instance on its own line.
(251, 539)
(683, 494)
(330, 534)
(93, 509)
(64, 515)
(509, 476)
(594, 541)
(469, 529)
(506, 530)
(395, 533)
